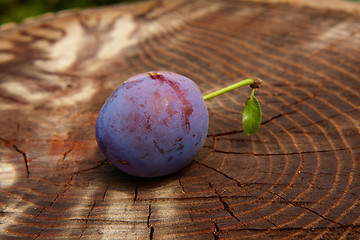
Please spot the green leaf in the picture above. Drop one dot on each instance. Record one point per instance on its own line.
(252, 115)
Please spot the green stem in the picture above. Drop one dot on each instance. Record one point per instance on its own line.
(242, 83)
(253, 93)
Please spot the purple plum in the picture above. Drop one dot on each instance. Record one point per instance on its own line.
(153, 124)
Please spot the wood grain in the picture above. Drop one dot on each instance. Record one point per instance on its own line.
(298, 178)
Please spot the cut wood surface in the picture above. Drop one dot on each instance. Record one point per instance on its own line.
(297, 178)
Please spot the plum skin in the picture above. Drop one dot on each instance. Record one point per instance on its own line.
(153, 124)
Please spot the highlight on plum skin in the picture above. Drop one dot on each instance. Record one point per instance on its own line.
(153, 124)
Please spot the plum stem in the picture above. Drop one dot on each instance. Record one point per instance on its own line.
(253, 82)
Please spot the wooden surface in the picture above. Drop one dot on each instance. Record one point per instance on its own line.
(298, 178)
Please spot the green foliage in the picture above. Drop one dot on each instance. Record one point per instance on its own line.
(17, 10)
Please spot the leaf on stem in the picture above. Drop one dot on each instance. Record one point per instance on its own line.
(252, 115)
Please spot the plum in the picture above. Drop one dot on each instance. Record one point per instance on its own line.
(153, 124)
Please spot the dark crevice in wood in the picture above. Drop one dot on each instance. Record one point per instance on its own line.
(184, 198)
(208, 147)
(271, 222)
(109, 221)
(9, 143)
(295, 204)
(225, 205)
(278, 116)
(216, 232)
(104, 221)
(286, 229)
(25, 159)
(136, 191)
(103, 196)
(87, 218)
(321, 121)
(305, 152)
(67, 152)
(65, 188)
(149, 216)
(38, 235)
(182, 187)
(225, 133)
(91, 209)
(327, 174)
(286, 154)
(151, 234)
(329, 134)
(225, 175)
(215, 235)
(231, 152)
(268, 220)
(191, 217)
(216, 227)
(92, 168)
(314, 95)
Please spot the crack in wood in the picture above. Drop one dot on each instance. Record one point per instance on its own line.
(295, 204)
(278, 116)
(225, 205)
(104, 194)
(182, 187)
(25, 159)
(225, 133)
(314, 95)
(23, 154)
(284, 229)
(91, 209)
(6, 141)
(87, 218)
(241, 131)
(321, 121)
(191, 217)
(231, 152)
(65, 188)
(184, 198)
(149, 216)
(216, 232)
(91, 168)
(67, 152)
(38, 235)
(225, 175)
(215, 235)
(305, 152)
(136, 191)
(151, 233)
(286, 154)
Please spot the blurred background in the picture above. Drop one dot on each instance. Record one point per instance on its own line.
(17, 10)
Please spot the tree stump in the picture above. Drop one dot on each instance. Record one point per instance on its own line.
(298, 177)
